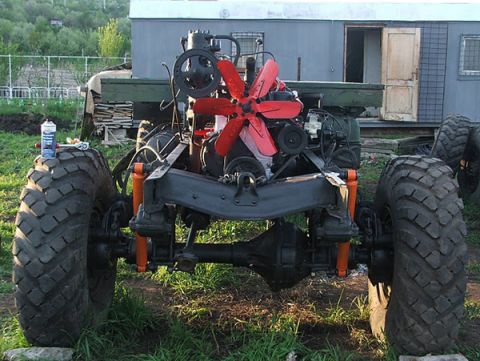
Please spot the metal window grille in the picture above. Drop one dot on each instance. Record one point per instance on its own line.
(470, 55)
(248, 44)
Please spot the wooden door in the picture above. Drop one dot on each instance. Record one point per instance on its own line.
(400, 64)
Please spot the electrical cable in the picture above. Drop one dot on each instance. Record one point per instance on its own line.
(175, 116)
(129, 171)
(330, 118)
(260, 52)
(164, 107)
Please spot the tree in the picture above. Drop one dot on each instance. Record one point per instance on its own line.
(16, 65)
(110, 42)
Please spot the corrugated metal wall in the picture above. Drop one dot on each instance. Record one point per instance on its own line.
(320, 44)
(462, 93)
(433, 62)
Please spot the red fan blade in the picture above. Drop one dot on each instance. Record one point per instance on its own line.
(214, 106)
(260, 134)
(279, 109)
(234, 83)
(229, 135)
(265, 79)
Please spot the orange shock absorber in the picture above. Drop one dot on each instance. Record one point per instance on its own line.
(344, 248)
(140, 241)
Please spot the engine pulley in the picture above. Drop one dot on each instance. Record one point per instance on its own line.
(245, 165)
(292, 139)
(196, 74)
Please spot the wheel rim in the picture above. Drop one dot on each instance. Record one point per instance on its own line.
(381, 272)
(101, 279)
(469, 172)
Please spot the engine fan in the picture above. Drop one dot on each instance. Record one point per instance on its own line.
(248, 108)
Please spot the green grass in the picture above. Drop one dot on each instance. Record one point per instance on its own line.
(472, 218)
(63, 109)
(128, 319)
(183, 322)
(471, 353)
(11, 336)
(208, 276)
(368, 177)
(472, 309)
(130, 322)
(473, 267)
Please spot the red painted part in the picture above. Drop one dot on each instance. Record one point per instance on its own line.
(265, 79)
(229, 135)
(280, 85)
(214, 106)
(232, 79)
(204, 133)
(279, 109)
(246, 107)
(344, 248)
(140, 241)
(260, 134)
(38, 145)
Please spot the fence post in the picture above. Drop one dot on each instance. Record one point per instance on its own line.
(48, 76)
(32, 84)
(10, 76)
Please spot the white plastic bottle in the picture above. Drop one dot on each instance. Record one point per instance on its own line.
(48, 143)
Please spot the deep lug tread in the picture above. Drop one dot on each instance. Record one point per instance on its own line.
(50, 265)
(428, 287)
(451, 140)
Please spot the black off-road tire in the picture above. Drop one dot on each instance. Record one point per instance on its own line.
(420, 308)
(451, 140)
(144, 128)
(154, 135)
(469, 171)
(57, 289)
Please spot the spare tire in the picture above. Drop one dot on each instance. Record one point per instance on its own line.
(469, 171)
(451, 140)
(419, 309)
(57, 287)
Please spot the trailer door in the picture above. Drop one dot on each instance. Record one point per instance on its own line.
(400, 64)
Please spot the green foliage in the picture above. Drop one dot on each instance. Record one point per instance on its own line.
(182, 325)
(470, 214)
(12, 335)
(27, 25)
(334, 353)
(473, 267)
(110, 42)
(63, 109)
(471, 353)
(8, 48)
(472, 309)
(127, 318)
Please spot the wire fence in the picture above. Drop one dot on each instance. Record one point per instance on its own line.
(44, 77)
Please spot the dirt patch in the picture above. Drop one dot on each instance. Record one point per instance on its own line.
(309, 303)
(252, 303)
(7, 305)
(29, 123)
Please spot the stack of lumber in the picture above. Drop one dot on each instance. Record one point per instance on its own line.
(408, 145)
(113, 115)
(379, 146)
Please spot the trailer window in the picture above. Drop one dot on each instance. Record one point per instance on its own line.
(250, 42)
(470, 55)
